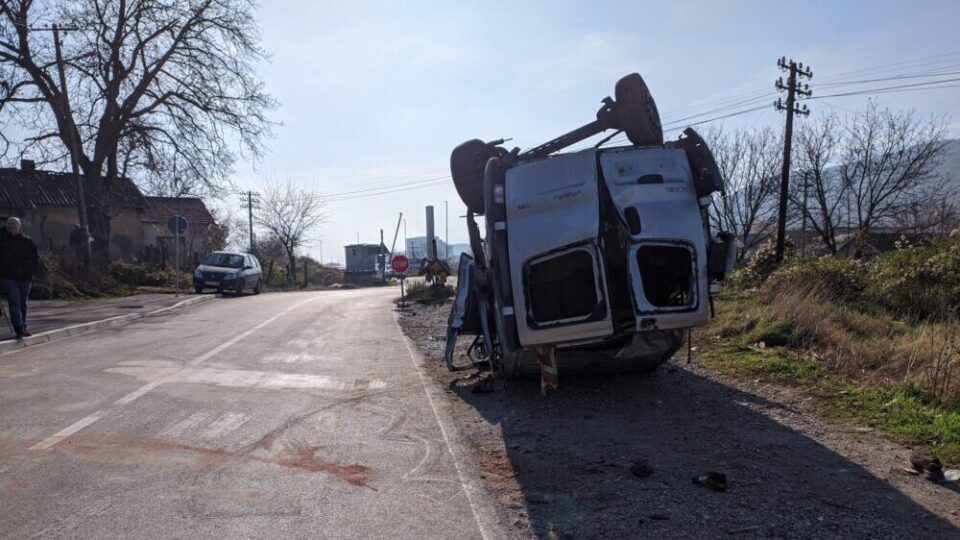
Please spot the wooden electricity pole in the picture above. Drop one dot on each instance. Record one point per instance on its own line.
(793, 89)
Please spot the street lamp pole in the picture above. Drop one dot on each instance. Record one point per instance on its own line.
(446, 232)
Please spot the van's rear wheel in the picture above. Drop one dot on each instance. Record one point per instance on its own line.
(259, 288)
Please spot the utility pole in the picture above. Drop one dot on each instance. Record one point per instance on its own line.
(446, 233)
(794, 89)
(74, 149)
(383, 260)
(803, 228)
(250, 202)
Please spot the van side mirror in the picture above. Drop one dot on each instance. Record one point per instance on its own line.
(248, 267)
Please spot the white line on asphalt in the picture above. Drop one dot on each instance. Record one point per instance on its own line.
(443, 430)
(68, 431)
(47, 443)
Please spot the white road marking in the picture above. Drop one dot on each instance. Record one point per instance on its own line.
(243, 378)
(226, 424)
(47, 443)
(291, 358)
(68, 431)
(186, 425)
(467, 487)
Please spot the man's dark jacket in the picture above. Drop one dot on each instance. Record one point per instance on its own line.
(19, 258)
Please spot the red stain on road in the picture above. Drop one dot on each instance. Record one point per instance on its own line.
(302, 458)
(306, 459)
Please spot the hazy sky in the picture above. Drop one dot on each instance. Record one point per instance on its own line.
(377, 94)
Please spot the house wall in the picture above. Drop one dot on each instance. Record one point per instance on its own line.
(195, 244)
(50, 228)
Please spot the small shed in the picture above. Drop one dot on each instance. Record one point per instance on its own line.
(362, 257)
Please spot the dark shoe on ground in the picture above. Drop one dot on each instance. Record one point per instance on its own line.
(26, 333)
(18, 332)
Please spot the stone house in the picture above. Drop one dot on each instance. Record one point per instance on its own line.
(158, 242)
(46, 203)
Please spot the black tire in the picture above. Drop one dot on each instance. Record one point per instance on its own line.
(637, 112)
(239, 290)
(259, 288)
(467, 163)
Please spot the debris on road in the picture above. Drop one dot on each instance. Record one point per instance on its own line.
(483, 386)
(932, 469)
(641, 469)
(716, 481)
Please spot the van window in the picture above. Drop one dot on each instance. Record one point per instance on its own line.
(562, 287)
(666, 273)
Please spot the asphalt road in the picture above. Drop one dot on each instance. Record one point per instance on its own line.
(296, 415)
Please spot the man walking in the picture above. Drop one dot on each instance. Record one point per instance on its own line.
(18, 262)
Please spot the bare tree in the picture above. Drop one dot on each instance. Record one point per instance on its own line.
(889, 166)
(748, 162)
(817, 192)
(164, 89)
(290, 214)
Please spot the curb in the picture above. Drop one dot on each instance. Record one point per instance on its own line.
(93, 326)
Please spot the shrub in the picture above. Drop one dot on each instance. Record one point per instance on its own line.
(919, 281)
(764, 260)
(839, 278)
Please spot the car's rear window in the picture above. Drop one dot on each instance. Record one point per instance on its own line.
(224, 259)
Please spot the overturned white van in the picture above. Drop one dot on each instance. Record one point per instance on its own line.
(600, 258)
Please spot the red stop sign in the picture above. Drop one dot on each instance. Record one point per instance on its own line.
(400, 264)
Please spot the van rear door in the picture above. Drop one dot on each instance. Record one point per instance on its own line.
(557, 272)
(653, 191)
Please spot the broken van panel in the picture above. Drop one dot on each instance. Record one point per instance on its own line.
(603, 255)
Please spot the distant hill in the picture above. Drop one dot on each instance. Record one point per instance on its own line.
(950, 168)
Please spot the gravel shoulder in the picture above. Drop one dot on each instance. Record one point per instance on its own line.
(615, 456)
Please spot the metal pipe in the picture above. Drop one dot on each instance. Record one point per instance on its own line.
(431, 254)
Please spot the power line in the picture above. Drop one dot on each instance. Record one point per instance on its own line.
(377, 188)
(886, 88)
(433, 183)
(892, 78)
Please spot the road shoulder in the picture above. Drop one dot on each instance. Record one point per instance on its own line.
(613, 456)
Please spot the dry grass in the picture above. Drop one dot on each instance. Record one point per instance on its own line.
(873, 348)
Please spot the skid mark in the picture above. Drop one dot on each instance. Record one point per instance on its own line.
(295, 457)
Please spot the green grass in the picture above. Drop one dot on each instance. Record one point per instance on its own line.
(773, 365)
(905, 414)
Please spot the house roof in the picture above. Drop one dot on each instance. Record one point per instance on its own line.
(21, 189)
(161, 209)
